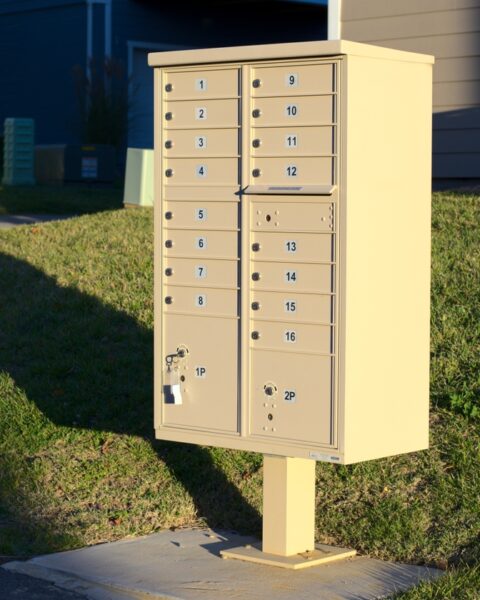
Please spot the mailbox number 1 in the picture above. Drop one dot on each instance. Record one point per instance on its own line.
(200, 85)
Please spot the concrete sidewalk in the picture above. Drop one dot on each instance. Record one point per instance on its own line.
(185, 565)
(9, 221)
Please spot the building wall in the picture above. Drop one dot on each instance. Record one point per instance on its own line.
(450, 30)
(40, 43)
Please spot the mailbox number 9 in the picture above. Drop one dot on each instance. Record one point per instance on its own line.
(291, 80)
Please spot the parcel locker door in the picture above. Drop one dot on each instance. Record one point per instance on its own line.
(292, 397)
(207, 373)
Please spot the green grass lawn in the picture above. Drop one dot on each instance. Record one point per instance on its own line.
(59, 199)
(77, 462)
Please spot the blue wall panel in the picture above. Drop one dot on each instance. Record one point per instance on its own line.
(38, 50)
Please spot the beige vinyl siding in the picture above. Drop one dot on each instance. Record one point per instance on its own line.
(450, 30)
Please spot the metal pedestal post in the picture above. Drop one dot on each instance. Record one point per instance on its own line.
(288, 519)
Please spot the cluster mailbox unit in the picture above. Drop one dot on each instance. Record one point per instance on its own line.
(292, 255)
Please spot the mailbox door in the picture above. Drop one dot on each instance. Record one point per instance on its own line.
(212, 273)
(209, 390)
(191, 215)
(293, 141)
(318, 170)
(293, 111)
(221, 83)
(293, 79)
(292, 277)
(300, 407)
(185, 143)
(195, 114)
(293, 246)
(201, 244)
(201, 171)
(292, 216)
(292, 307)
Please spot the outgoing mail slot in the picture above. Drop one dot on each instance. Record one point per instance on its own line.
(294, 337)
(293, 141)
(201, 142)
(200, 272)
(293, 277)
(293, 79)
(211, 366)
(292, 216)
(200, 243)
(201, 113)
(201, 171)
(292, 111)
(307, 247)
(211, 215)
(300, 407)
(204, 83)
(315, 308)
(200, 301)
(293, 171)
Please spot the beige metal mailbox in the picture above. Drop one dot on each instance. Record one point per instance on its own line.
(292, 255)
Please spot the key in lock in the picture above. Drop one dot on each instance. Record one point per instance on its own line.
(172, 381)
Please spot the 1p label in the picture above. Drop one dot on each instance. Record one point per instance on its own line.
(201, 372)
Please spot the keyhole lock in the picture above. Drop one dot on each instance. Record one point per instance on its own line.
(255, 246)
(168, 300)
(256, 172)
(270, 417)
(256, 143)
(256, 83)
(168, 144)
(168, 116)
(256, 112)
(169, 215)
(256, 276)
(169, 271)
(255, 305)
(169, 172)
(255, 335)
(168, 244)
(168, 87)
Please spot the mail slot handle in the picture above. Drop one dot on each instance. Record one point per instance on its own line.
(307, 190)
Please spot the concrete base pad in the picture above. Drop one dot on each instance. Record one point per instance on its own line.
(320, 556)
(186, 565)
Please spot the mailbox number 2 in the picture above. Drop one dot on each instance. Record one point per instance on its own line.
(200, 113)
(201, 85)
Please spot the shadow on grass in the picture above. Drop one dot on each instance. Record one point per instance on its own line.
(86, 365)
(45, 199)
